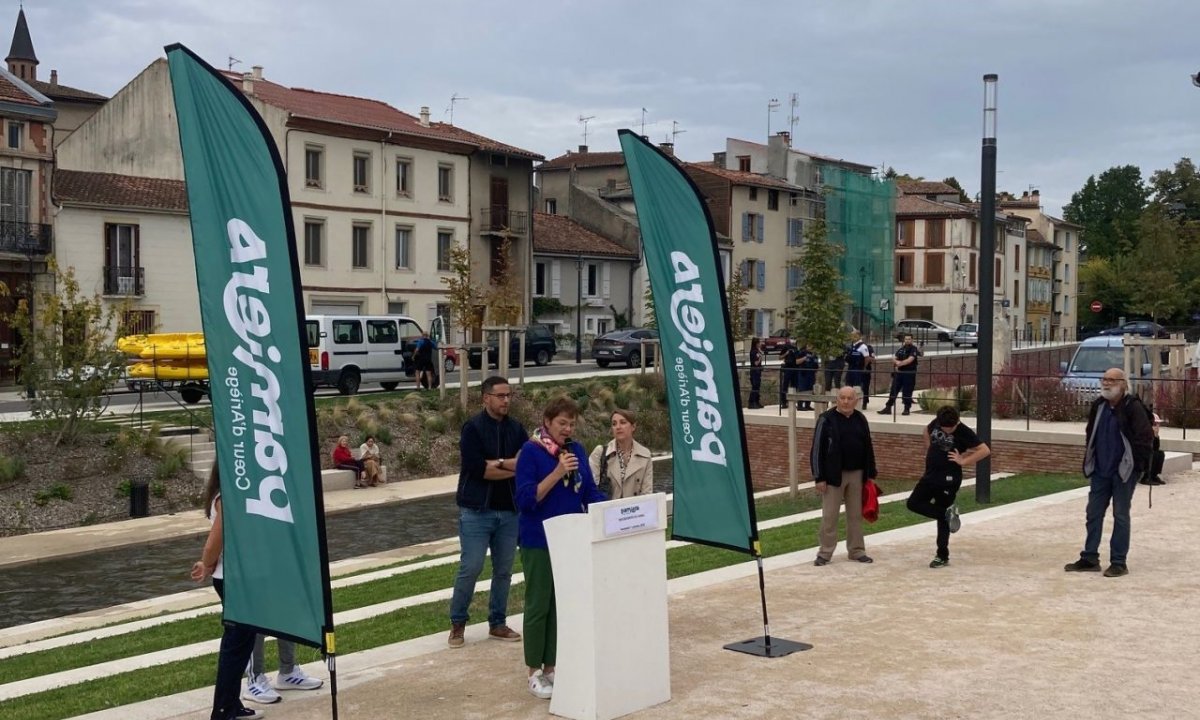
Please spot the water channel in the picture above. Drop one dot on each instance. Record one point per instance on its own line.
(40, 591)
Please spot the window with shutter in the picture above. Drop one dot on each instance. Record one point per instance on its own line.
(761, 226)
(746, 227)
(935, 269)
(761, 272)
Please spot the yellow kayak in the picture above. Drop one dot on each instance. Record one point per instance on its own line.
(169, 371)
(165, 346)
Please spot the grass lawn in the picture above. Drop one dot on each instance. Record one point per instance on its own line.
(411, 622)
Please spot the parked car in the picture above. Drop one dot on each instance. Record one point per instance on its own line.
(624, 346)
(966, 334)
(540, 347)
(1145, 328)
(923, 330)
(778, 342)
(1094, 356)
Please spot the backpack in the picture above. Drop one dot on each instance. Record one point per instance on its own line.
(791, 357)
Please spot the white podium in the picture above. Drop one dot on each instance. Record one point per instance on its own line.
(610, 587)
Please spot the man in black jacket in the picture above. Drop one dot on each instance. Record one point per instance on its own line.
(487, 511)
(842, 457)
(1119, 443)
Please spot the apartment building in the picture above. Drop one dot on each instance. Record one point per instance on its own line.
(26, 237)
(1057, 268)
(379, 198)
(582, 281)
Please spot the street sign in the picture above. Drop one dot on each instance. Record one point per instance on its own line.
(883, 304)
(1096, 306)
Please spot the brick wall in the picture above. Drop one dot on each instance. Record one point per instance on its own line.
(899, 450)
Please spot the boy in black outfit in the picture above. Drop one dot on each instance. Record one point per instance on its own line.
(949, 447)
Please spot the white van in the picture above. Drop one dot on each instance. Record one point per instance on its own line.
(1092, 358)
(345, 351)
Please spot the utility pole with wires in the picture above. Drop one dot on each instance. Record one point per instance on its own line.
(454, 98)
(584, 120)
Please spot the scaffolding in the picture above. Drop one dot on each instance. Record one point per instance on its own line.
(860, 215)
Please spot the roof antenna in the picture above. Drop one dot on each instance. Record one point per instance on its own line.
(455, 98)
(585, 120)
(233, 61)
(643, 122)
(675, 131)
(794, 101)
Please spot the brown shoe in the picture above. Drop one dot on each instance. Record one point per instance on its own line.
(505, 633)
(456, 639)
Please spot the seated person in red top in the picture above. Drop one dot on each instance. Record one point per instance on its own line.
(343, 459)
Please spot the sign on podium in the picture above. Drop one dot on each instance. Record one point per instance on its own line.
(610, 587)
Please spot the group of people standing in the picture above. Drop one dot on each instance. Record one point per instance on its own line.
(856, 365)
(1119, 454)
(510, 483)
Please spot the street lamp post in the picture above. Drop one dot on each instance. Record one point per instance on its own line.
(579, 309)
(862, 296)
(987, 260)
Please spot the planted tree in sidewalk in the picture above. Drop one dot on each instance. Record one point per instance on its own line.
(68, 357)
(735, 295)
(819, 306)
(505, 295)
(460, 293)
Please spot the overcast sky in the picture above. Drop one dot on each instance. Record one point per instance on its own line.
(1084, 85)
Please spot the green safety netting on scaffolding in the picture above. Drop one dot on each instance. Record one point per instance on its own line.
(860, 215)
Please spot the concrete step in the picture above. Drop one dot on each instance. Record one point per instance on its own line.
(1176, 462)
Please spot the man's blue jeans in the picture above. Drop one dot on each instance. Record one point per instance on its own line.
(479, 531)
(1104, 489)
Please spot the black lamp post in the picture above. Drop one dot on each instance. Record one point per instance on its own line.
(987, 260)
(862, 296)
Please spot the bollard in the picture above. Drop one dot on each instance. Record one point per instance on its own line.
(139, 499)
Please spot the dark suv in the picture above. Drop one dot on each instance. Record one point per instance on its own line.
(540, 347)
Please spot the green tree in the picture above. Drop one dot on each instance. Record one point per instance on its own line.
(735, 296)
(1156, 286)
(504, 295)
(1109, 208)
(819, 306)
(1107, 280)
(69, 357)
(648, 319)
(460, 292)
(1177, 190)
(962, 194)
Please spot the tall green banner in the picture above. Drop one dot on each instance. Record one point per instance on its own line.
(276, 568)
(712, 503)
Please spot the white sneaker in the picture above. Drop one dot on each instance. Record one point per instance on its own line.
(538, 686)
(549, 677)
(297, 679)
(258, 690)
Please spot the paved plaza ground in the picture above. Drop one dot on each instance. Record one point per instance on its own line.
(1001, 633)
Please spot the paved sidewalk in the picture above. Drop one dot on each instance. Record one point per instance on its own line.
(1001, 633)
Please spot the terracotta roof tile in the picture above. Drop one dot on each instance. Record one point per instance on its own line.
(358, 111)
(561, 234)
(925, 187)
(737, 177)
(1035, 237)
(10, 92)
(828, 159)
(584, 160)
(112, 190)
(64, 92)
(915, 205)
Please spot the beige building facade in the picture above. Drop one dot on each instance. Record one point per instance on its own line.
(379, 197)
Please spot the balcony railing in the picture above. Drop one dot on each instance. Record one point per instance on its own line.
(25, 238)
(500, 219)
(127, 281)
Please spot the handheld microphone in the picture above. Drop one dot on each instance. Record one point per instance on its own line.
(566, 448)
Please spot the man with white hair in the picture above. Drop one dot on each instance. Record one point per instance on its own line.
(1119, 443)
(843, 458)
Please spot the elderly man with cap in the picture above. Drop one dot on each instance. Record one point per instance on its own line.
(1117, 454)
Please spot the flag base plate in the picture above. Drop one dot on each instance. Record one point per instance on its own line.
(768, 647)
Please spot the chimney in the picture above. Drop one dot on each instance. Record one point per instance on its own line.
(583, 149)
(257, 71)
(668, 148)
(719, 159)
(1025, 195)
(248, 83)
(424, 116)
(787, 137)
(1037, 194)
(54, 78)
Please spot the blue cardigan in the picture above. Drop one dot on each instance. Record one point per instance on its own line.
(533, 465)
